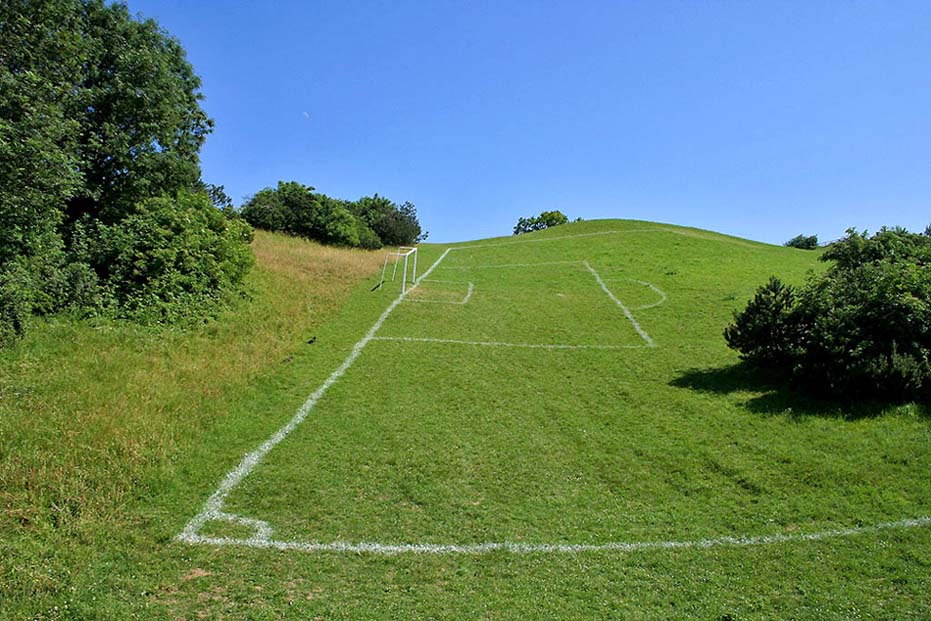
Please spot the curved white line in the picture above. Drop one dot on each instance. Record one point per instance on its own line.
(655, 289)
(562, 548)
(624, 309)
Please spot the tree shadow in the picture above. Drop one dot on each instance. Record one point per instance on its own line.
(777, 396)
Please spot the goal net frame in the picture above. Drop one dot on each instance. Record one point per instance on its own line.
(403, 252)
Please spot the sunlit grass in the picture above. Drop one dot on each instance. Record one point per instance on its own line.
(113, 437)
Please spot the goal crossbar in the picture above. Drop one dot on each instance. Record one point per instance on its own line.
(403, 252)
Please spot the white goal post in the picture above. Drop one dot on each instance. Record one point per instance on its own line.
(404, 252)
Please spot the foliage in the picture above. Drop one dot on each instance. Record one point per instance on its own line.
(804, 242)
(99, 111)
(394, 225)
(138, 105)
(169, 260)
(863, 328)
(764, 331)
(15, 302)
(370, 222)
(545, 220)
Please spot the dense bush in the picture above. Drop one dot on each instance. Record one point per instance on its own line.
(15, 303)
(171, 259)
(863, 328)
(805, 242)
(545, 220)
(370, 222)
(99, 114)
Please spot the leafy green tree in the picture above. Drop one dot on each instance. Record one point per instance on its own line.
(40, 60)
(172, 259)
(138, 104)
(370, 222)
(545, 220)
(99, 113)
(863, 328)
(765, 331)
(803, 242)
(394, 225)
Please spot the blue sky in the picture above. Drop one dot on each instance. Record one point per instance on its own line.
(762, 120)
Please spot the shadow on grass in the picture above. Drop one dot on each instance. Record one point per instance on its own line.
(779, 397)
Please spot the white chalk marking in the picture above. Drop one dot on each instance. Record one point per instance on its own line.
(213, 508)
(563, 548)
(549, 239)
(464, 300)
(504, 265)
(656, 290)
(645, 284)
(624, 309)
(414, 339)
(672, 231)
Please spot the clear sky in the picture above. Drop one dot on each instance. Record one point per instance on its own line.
(762, 120)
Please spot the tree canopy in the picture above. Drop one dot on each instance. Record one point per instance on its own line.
(545, 220)
(370, 222)
(861, 329)
(99, 113)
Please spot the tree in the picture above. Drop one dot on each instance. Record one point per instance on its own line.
(138, 105)
(545, 220)
(861, 329)
(40, 61)
(99, 113)
(804, 242)
(394, 225)
(370, 222)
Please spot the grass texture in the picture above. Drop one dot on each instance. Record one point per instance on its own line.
(508, 398)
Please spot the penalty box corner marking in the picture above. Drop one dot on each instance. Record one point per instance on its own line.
(465, 300)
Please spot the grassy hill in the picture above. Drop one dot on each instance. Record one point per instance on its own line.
(546, 426)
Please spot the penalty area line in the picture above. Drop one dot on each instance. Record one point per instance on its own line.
(414, 339)
(213, 507)
(624, 309)
(385, 549)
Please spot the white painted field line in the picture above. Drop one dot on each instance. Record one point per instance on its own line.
(657, 229)
(624, 309)
(414, 339)
(549, 239)
(563, 548)
(503, 265)
(461, 302)
(656, 290)
(213, 508)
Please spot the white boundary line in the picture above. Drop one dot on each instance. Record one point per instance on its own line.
(692, 234)
(563, 548)
(624, 309)
(655, 289)
(213, 508)
(414, 339)
(493, 266)
(461, 302)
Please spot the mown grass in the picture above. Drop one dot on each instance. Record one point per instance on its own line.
(447, 443)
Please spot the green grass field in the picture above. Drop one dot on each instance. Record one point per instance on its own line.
(547, 426)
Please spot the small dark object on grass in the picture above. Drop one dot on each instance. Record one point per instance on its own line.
(378, 286)
(312, 340)
(287, 360)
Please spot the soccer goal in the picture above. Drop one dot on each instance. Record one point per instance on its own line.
(403, 252)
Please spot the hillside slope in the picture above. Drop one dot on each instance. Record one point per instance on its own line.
(545, 426)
